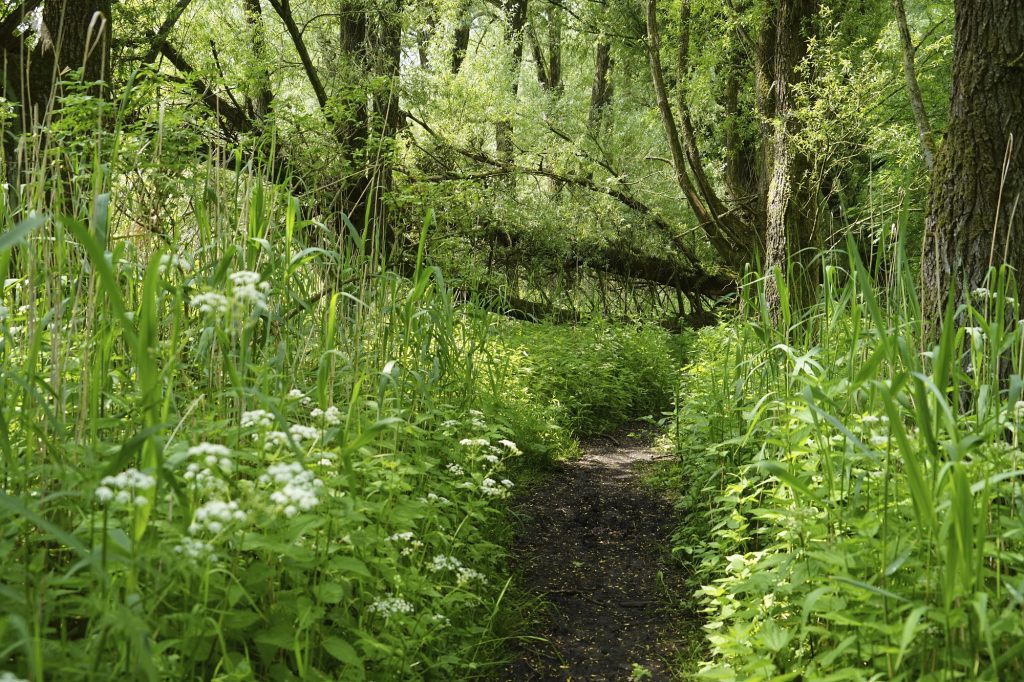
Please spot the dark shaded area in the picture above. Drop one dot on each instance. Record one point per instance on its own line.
(593, 547)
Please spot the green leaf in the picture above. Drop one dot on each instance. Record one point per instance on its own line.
(17, 234)
(342, 650)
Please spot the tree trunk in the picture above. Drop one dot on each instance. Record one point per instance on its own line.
(913, 90)
(262, 96)
(461, 40)
(973, 220)
(515, 23)
(601, 91)
(788, 232)
(75, 35)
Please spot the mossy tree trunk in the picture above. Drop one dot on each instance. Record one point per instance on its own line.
(974, 219)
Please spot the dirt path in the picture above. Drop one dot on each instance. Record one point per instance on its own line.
(593, 548)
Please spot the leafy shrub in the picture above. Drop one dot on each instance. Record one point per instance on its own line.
(595, 376)
(853, 505)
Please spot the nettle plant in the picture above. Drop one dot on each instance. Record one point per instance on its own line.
(865, 511)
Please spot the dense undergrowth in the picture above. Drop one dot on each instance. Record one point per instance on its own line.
(851, 492)
(230, 454)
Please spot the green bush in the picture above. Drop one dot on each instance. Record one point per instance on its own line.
(595, 376)
(853, 505)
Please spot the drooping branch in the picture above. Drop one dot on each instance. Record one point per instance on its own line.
(236, 118)
(283, 9)
(160, 37)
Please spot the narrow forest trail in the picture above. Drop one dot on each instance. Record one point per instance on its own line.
(593, 549)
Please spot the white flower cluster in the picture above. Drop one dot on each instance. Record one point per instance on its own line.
(464, 575)
(210, 302)
(298, 488)
(443, 562)
(510, 446)
(296, 394)
(213, 455)
(435, 498)
(248, 289)
(300, 433)
(409, 538)
(390, 606)
(491, 488)
(124, 488)
(455, 469)
(171, 262)
(331, 416)
(257, 419)
(195, 548)
(471, 442)
(214, 516)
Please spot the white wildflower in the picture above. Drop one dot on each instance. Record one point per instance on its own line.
(257, 418)
(467, 575)
(471, 442)
(512, 447)
(455, 469)
(298, 488)
(301, 432)
(443, 562)
(210, 302)
(390, 606)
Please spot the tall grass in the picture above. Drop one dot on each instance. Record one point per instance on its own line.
(232, 444)
(854, 500)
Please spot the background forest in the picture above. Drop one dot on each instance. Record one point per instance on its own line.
(295, 291)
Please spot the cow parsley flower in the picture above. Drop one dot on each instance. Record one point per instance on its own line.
(300, 432)
(172, 262)
(214, 516)
(124, 488)
(331, 416)
(297, 490)
(455, 469)
(390, 606)
(195, 548)
(512, 447)
(471, 442)
(257, 419)
(210, 302)
(443, 562)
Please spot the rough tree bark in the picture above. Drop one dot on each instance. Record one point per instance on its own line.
(75, 34)
(974, 219)
(263, 96)
(788, 233)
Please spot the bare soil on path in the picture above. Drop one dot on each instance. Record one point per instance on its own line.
(593, 547)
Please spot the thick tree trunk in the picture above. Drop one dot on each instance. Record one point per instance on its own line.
(974, 219)
(75, 35)
(788, 233)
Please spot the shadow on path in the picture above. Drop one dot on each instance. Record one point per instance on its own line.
(594, 549)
